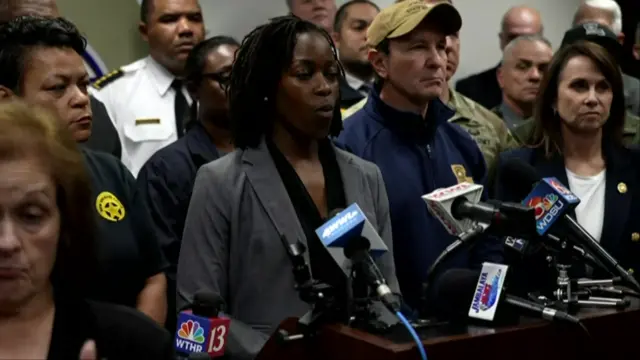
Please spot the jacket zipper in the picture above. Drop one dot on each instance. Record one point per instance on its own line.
(431, 172)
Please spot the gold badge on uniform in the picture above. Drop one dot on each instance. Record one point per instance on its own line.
(635, 237)
(109, 207)
(622, 188)
(147, 121)
(461, 174)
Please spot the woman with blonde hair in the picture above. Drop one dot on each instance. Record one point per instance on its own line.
(47, 252)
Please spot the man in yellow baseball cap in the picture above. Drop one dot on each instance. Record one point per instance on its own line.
(402, 18)
(403, 128)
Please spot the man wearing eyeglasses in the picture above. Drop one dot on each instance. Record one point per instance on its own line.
(166, 180)
(147, 100)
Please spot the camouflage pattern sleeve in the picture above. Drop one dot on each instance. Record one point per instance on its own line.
(488, 130)
(631, 134)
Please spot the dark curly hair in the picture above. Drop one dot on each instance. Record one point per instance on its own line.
(265, 54)
(22, 33)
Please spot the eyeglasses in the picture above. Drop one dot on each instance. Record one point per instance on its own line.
(221, 77)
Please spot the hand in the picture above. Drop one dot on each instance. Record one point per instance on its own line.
(89, 351)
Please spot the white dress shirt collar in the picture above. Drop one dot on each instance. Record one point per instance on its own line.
(160, 76)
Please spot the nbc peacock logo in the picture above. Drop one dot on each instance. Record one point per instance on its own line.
(192, 331)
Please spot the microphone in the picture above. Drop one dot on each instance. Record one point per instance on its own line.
(458, 208)
(551, 243)
(199, 356)
(485, 289)
(202, 330)
(353, 242)
(552, 201)
(440, 205)
(522, 246)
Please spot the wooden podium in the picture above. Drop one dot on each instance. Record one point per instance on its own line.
(613, 334)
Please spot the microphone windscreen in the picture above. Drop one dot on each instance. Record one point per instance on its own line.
(452, 293)
(519, 176)
(199, 356)
(207, 303)
(356, 244)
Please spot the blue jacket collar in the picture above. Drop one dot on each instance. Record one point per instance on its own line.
(408, 124)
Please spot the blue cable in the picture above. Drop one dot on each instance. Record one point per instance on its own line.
(414, 334)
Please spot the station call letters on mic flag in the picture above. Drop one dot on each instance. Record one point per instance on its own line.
(488, 291)
(551, 200)
(344, 226)
(439, 205)
(197, 334)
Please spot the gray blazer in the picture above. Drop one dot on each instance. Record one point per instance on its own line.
(231, 243)
(632, 94)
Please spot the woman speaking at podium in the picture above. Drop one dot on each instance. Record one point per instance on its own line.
(579, 122)
(283, 180)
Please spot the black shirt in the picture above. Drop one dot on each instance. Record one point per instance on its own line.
(128, 248)
(323, 267)
(348, 95)
(104, 136)
(119, 332)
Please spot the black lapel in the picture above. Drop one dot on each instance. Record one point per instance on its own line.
(348, 95)
(619, 179)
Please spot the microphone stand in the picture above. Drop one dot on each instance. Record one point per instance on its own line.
(574, 293)
(319, 295)
(366, 314)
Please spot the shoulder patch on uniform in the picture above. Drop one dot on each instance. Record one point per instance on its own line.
(107, 79)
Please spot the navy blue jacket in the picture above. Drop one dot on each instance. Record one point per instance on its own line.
(166, 183)
(621, 228)
(417, 156)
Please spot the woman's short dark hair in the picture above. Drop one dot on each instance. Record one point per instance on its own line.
(21, 34)
(196, 61)
(28, 131)
(547, 123)
(264, 55)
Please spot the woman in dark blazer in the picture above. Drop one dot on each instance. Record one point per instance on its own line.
(282, 181)
(47, 252)
(579, 121)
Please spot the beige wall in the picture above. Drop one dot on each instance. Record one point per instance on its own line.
(479, 35)
(110, 27)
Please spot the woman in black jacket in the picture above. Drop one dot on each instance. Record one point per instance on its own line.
(47, 243)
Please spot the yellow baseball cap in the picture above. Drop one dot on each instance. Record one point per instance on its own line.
(401, 18)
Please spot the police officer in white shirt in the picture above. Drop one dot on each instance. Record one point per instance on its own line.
(146, 100)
